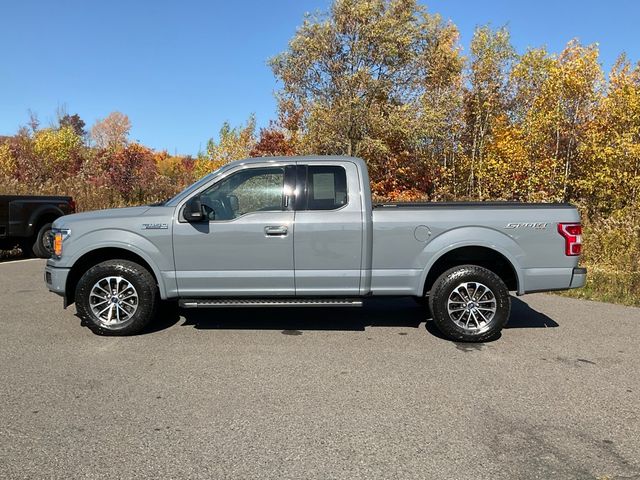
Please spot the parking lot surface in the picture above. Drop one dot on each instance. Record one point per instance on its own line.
(316, 393)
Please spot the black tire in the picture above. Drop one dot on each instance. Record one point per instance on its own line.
(481, 323)
(422, 301)
(42, 246)
(144, 288)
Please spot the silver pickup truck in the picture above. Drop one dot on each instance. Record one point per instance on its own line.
(302, 231)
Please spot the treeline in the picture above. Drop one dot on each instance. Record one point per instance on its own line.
(389, 82)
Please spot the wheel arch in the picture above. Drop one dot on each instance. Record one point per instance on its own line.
(481, 255)
(93, 257)
(474, 245)
(40, 217)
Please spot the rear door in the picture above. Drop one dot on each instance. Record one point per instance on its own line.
(329, 223)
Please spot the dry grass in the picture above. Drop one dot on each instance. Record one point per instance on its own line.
(86, 195)
(612, 257)
(609, 286)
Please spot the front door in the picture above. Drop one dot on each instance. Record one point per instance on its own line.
(245, 248)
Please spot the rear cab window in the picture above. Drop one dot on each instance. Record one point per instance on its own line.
(326, 187)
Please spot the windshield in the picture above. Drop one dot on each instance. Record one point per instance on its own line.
(194, 186)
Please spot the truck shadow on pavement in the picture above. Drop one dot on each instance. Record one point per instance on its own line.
(402, 312)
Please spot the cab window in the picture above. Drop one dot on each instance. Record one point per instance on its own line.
(326, 187)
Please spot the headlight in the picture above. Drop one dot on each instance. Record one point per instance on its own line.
(59, 236)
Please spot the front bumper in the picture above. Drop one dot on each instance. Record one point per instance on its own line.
(579, 277)
(56, 279)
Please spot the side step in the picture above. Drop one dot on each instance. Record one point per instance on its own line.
(269, 302)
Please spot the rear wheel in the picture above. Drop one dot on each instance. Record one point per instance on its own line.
(43, 244)
(470, 304)
(116, 297)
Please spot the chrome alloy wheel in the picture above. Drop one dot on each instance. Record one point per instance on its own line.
(472, 306)
(113, 301)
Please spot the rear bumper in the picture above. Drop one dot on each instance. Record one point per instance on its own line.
(552, 279)
(579, 277)
(56, 279)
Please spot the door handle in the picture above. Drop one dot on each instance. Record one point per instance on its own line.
(276, 231)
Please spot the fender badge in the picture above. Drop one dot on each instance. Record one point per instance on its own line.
(154, 226)
(535, 226)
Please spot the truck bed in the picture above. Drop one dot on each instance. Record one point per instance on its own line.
(407, 236)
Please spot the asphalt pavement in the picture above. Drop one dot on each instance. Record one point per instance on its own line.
(371, 393)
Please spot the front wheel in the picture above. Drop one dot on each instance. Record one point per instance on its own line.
(116, 297)
(470, 304)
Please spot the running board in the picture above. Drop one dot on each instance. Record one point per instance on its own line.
(270, 302)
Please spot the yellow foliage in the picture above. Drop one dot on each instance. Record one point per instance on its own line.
(168, 165)
(234, 143)
(7, 162)
(505, 171)
(57, 149)
(204, 166)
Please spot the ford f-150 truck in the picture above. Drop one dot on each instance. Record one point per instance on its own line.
(302, 231)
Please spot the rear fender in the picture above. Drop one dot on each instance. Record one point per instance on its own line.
(473, 237)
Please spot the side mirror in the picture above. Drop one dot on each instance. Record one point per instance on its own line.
(193, 210)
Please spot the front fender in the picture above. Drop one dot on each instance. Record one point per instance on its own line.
(132, 242)
(473, 237)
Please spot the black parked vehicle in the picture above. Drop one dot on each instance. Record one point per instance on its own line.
(26, 221)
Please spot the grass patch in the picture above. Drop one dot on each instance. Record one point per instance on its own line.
(609, 286)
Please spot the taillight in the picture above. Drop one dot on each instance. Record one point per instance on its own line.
(572, 233)
(72, 206)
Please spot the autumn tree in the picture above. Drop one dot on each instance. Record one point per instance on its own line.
(233, 143)
(486, 98)
(441, 108)
(177, 169)
(112, 131)
(355, 79)
(273, 141)
(7, 161)
(609, 175)
(58, 152)
(579, 87)
(554, 101)
(131, 171)
(518, 163)
(338, 66)
(74, 122)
